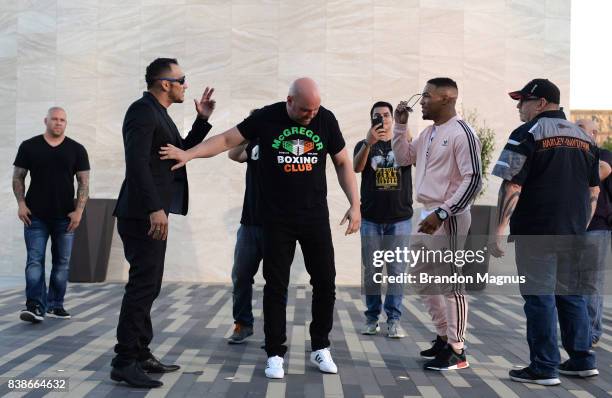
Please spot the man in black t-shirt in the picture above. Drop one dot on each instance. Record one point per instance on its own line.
(550, 169)
(386, 208)
(295, 138)
(249, 244)
(599, 230)
(49, 209)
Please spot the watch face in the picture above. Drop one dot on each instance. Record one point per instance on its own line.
(442, 214)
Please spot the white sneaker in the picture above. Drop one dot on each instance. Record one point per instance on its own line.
(322, 358)
(274, 368)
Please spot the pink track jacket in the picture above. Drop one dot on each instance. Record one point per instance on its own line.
(448, 166)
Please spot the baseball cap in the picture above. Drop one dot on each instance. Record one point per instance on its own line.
(538, 88)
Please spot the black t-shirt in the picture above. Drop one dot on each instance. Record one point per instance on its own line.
(52, 170)
(386, 189)
(292, 162)
(250, 205)
(602, 219)
(555, 162)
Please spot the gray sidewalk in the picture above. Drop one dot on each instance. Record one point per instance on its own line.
(191, 322)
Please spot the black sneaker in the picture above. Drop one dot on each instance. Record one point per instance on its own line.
(438, 345)
(58, 313)
(447, 359)
(240, 334)
(32, 313)
(567, 369)
(526, 375)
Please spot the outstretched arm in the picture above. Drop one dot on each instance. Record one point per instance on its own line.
(207, 149)
(238, 154)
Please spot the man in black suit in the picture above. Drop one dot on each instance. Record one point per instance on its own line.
(148, 194)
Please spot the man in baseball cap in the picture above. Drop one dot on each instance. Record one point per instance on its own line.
(541, 195)
(536, 89)
(536, 97)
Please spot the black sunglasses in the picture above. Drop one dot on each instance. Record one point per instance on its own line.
(180, 80)
(412, 101)
(527, 99)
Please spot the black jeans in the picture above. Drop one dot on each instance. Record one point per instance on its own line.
(146, 258)
(279, 249)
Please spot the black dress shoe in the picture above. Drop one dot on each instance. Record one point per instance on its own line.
(133, 375)
(152, 365)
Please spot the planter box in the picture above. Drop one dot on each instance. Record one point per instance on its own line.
(92, 242)
(483, 224)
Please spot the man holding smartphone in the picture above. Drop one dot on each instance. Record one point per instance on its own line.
(386, 208)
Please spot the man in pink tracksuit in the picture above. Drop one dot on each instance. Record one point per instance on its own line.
(448, 178)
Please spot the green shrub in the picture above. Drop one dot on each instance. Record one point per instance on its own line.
(607, 144)
(486, 135)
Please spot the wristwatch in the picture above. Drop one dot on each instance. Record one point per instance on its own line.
(441, 213)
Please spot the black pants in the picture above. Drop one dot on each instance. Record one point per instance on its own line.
(318, 250)
(146, 258)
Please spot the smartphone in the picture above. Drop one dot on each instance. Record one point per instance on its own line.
(377, 119)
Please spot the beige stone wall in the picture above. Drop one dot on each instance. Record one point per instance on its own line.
(89, 57)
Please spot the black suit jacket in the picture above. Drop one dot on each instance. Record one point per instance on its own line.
(149, 185)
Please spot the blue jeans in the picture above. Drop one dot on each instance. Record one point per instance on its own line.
(247, 256)
(36, 237)
(595, 302)
(543, 310)
(376, 236)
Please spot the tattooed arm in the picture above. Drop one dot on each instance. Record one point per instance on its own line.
(82, 196)
(509, 193)
(594, 194)
(19, 175)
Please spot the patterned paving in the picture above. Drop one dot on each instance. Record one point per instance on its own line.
(192, 321)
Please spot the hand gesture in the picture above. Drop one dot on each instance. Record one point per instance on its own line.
(171, 152)
(24, 214)
(206, 105)
(401, 112)
(353, 216)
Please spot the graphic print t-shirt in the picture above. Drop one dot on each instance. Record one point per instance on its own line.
(292, 162)
(386, 189)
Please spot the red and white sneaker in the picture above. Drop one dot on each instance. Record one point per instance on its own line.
(447, 359)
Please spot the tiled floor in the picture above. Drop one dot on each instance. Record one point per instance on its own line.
(191, 322)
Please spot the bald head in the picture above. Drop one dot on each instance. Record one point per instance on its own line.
(589, 126)
(54, 109)
(304, 86)
(303, 100)
(55, 121)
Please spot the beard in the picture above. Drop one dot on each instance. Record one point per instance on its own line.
(178, 99)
